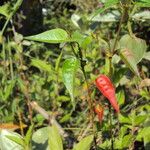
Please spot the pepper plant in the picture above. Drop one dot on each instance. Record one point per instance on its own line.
(41, 85)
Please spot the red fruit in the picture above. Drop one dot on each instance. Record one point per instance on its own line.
(106, 87)
(99, 111)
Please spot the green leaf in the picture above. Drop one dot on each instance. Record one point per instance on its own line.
(124, 119)
(127, 140)
(9, 144)
(132, 51)
(108, 4)
(106, 145)
(55, 141)
(58, 62)
(128, 58)
(142, 16)
(147, 56)
(40, 139)
(143, 133)
(65, 118)
(107, 66)
(143, 3)
(41, 135)
(8, 89)
(51, 36)
(15, 8)
(139, 119)
(136, 46)
(112, 16)
(84, 144)
(69, 69)
(40, 64)
(18, 140)
(83, 40)
(121, 97)
(4, 9)
(28, 135)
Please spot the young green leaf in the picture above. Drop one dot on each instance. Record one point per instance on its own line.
(84, 144)
(4, 9)
(40, 136)
(124, 119)
(8, 89)
(69, 69)
(54, 141)
(51, 36)
(40, 64)
(28, 135)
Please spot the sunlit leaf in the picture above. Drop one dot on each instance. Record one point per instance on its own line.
(121, 97)
(136, 46)
(69, 69)
(40, 139)
(139, 119)
(129, 59)
(143, 3)
(124, 119)
(147, 56)
(28, 135)
(84, 144)
(4, 9)
(55, 141)
(143, 16)
(127, 140)
(51, 36)
(6, 143)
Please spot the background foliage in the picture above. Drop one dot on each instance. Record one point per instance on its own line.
(50, 55)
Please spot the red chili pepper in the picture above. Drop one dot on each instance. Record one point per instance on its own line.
(99, 111)
(106, 87)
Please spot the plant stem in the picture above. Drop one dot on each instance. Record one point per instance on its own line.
(119, 29)
(10, 60)
(111, 131)
(90, 103)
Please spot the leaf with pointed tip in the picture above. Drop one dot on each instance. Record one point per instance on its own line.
(84, 144)
(69, 69)
(4, 9)
(54, 141)
(6, 142)
(40, 64)
(128, 58)
(135, 45)
(51, 36)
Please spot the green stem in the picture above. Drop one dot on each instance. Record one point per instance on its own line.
(90, 102)
(118, 32)
(11, 62)
(15, 8)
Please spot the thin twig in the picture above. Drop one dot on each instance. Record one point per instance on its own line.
(118, 32)
(49, 117)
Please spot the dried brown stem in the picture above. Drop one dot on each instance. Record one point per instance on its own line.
(51, 119)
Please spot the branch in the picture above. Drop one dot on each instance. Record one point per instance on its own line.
(49, 117)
